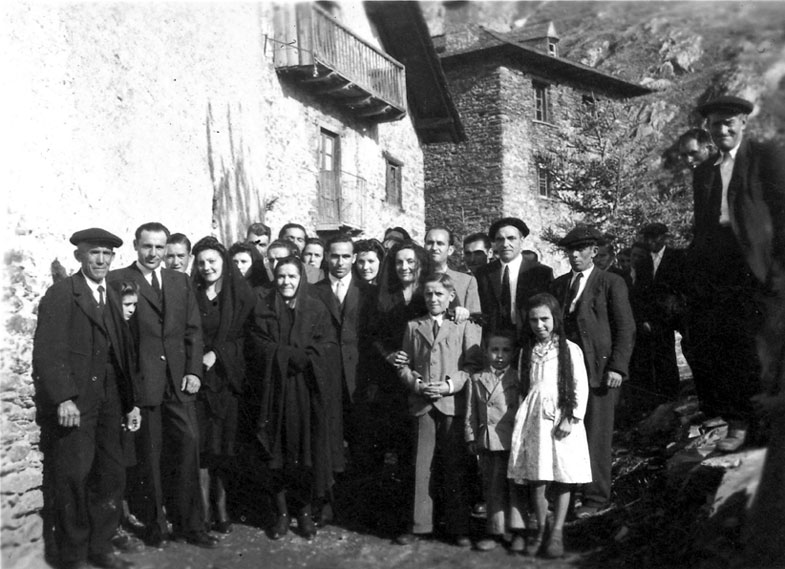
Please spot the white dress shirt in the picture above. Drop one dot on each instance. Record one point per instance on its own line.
(94, 288)
(148, 274)
(656, 258)
(581, 285)
(340, 292)
(725, 161)
(515, 267)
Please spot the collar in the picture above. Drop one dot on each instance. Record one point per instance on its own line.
(585, 272)
(659, 254)
(94, 285)
(146, 272)
(438, 318)
(345, 280)
(732, 153)
(501, 372)
(515, 264)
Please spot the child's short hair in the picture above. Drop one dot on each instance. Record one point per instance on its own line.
(505, 333)
(442, 278)
(128, 288)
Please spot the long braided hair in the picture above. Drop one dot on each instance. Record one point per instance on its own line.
(566, 379)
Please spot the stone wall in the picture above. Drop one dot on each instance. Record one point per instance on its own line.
(464, 181)
(125, 113)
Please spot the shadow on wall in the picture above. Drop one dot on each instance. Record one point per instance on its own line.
(237, 201)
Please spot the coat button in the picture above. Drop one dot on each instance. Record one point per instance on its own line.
(163, 358)
(94, 378)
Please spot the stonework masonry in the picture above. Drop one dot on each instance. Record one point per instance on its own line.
(121, 114)
(494, 173)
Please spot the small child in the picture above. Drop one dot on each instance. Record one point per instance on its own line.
(129, 297)
(549, 438)
(490, 416)
(442, 354)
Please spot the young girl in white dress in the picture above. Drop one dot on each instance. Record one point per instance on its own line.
(549, 438)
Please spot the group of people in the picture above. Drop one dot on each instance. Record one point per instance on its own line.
(324, 360)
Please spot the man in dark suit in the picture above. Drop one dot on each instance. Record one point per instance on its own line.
(170, 362)
(506, 284)
(597, 317)
(658, 303)
(85, 391)
(348, 301)
(736, 262)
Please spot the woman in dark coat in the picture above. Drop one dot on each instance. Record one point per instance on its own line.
(225, 303)
(293, 343)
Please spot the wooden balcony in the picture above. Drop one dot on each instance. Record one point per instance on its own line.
(342, 203)
(327, 59)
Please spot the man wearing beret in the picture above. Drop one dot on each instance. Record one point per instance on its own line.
(505, 284)
(659, 305)
(85, 393)
(737, 263)
(597, 317)
(170, 363)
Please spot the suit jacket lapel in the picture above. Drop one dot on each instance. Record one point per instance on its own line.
(495, 277)
(588, 288)
(487, 379)
(332, 304)
(146, 290)
(425, 329)
(85, 300)
(352, 298)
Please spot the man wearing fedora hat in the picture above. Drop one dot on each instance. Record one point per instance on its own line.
(85, 391)
(737, 266)
(505, 284)
(597, 317)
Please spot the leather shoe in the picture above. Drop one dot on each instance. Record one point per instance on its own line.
(223, 526)
(585, 512)
(462, 541)
(199, 539)
(281, 527)
(126, 542)
(409, 538)
(737, 434)
(306, 526)
(485, 544)
(156, 539)
(518, 544)
(109, 561)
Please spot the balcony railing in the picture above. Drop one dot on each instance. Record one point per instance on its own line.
(342, 207)
(327, 58)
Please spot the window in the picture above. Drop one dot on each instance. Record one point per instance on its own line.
(329, 174)
(551, 48)
(544, 182)
(541, 102)
(393, 183)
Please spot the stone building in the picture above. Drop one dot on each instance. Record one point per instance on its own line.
(514, 95)
(206, 117)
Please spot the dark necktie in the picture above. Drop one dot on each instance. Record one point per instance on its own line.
(435, 329)
(506, 296)
(156, 286)
(574, 288)
(101, 301)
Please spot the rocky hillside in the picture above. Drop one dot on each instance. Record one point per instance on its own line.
(687, 51)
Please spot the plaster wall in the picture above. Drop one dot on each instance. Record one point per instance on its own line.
(119, 114)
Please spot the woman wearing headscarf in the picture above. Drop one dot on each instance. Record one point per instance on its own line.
(225, 302)
(293, 344)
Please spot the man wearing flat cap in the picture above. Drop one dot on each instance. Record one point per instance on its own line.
(85, 392)
(597, 317)
(658, 300)
(505, 284)
(737, 267)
